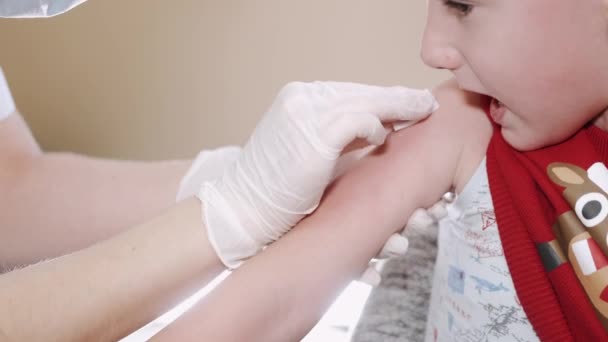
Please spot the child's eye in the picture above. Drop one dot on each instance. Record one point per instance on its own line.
(462, 8)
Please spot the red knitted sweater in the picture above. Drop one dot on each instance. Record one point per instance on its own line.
(552, 212)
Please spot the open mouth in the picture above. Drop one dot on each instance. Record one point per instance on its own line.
(497, 110)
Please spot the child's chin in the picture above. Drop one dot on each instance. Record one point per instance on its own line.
(521, 142)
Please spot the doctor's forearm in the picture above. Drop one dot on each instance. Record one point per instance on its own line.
(61, 202)
(280, 294)
(104, 292)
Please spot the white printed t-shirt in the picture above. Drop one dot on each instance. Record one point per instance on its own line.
(473, 298)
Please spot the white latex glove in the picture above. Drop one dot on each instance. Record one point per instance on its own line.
(208, 165)
(290, 159)
(397, 244)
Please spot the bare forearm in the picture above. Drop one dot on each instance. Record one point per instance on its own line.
(280, 294)
(106, 291)
(59, 203)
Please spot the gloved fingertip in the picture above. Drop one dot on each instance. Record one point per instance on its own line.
(449, 197)
(438, 211)
(396, 246)
(384, 253)
(379, 136)
(406, 244)
(420, 219)
(399, 247)
(371, 277)
(400, 125)
(434, 104)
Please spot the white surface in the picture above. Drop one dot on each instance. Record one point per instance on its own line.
(336, 325)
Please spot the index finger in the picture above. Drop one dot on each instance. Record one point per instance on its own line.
(391, 104)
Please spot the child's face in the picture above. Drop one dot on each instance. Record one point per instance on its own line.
(545, 60)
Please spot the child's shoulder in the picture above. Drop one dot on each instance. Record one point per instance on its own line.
(463, 117)
(441, 152)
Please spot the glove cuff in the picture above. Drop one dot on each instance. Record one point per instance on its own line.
(225, 232)
(208, 165)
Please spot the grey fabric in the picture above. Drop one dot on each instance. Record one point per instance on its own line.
(397, 309)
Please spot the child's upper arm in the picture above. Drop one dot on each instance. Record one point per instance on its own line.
(310, 264)
(419, 164)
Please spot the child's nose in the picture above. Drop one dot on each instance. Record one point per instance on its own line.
(439, 54)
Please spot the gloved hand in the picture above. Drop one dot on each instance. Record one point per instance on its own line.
(208, 165)
(397, 244)
(290, 159)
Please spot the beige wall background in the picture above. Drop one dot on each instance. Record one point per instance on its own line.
(156, 79)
